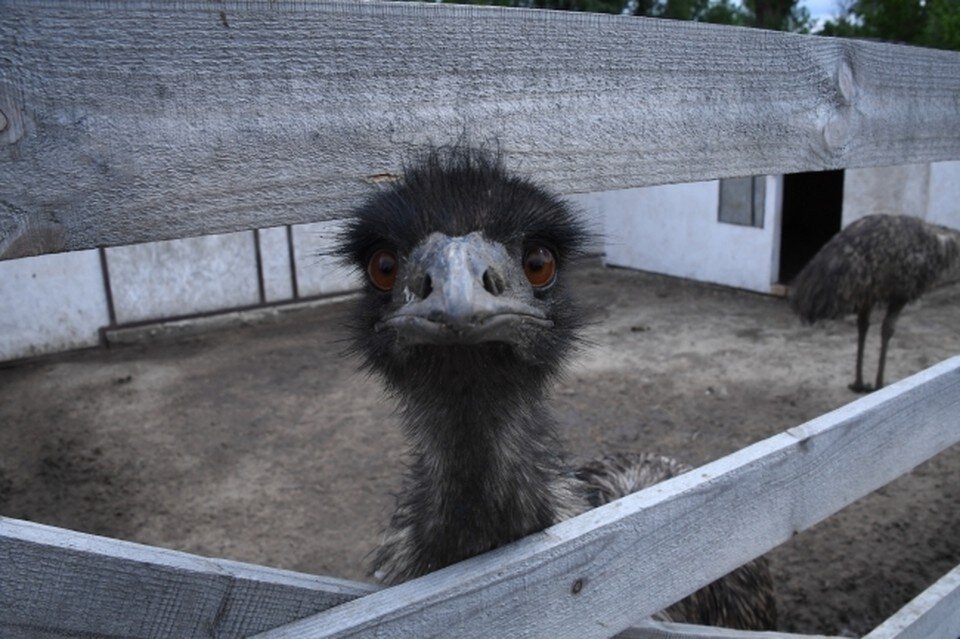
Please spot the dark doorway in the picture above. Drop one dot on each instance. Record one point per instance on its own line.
(812, 211)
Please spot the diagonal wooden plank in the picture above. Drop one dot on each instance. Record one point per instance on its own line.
(60, 583)
(139, 121)
(632, 557)
(933, 613)
(651, 629)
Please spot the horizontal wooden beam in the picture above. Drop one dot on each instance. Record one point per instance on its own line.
(933, 613)
(60, 583)
(139, 121)
(594, 575)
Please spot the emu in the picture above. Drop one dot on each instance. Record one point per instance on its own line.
(467, 318)
(886, 260)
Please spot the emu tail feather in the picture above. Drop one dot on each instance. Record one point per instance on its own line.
(815, 293)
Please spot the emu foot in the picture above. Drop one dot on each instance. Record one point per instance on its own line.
(860, 387)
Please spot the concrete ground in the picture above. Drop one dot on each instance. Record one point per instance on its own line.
(261, 443)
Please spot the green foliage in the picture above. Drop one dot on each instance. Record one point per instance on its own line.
(784, 15)
(942, 29)
(725, 12)
(721, 11)
(772, 14)
(932, 23)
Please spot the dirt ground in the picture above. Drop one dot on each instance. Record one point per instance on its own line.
(261, 443)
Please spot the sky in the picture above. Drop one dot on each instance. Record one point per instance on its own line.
(821, 10)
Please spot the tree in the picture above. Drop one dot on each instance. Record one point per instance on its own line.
(942, 29)
(785, 15)
(725, 12)
(721, 11)
(932, 23)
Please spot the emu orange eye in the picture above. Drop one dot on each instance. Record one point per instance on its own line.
(540, 266)
(382, 269)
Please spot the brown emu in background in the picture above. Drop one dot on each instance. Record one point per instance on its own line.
(467, 318)
(879, 259)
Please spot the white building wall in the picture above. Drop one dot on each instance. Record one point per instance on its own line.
(943, 205)
(928, 191)
(587, 207)
(673, 229)
(51, 303)
(889, 190)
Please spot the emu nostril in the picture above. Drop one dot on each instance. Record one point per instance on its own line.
(492, 282)
(427, 287)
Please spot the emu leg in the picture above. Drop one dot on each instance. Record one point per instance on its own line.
(886, 332)
(863, 323)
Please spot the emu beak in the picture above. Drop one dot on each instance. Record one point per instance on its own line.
(462, 290)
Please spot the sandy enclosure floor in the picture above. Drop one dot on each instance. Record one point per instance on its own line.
(262, 444)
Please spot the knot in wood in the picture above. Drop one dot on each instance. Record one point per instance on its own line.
(846, 83)
(577, 586)
(3, 122)
(837, 132)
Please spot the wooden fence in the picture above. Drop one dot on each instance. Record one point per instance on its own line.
(137, 121)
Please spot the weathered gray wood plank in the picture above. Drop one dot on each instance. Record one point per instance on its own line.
(59, 583)
(141, 120)
(635, 556)
(651, 629)
(933, 613)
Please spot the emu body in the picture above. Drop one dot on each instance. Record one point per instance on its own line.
(468, 319)
(879, 260)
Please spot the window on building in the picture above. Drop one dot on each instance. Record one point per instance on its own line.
(741, 200)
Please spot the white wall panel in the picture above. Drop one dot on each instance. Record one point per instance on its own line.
(181, 277)
(275, 261)
(51, 303)
(319, 272)
(944, 203)
(891, 190)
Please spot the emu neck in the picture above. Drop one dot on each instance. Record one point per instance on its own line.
(484, 467)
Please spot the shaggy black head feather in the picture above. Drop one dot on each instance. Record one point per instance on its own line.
(456, 191)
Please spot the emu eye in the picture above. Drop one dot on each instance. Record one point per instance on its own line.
(382, 269)
(540, 266)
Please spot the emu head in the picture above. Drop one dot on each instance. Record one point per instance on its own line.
(465, 288)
